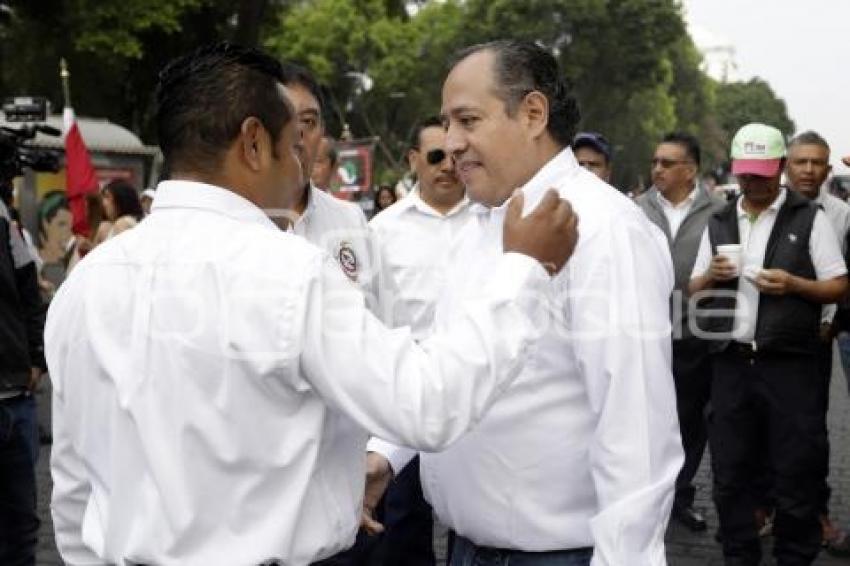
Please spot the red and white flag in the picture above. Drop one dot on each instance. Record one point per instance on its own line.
(80, 178)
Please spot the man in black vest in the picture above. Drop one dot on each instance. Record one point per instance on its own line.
(767, 263)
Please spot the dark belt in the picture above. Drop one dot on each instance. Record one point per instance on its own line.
(503, 554)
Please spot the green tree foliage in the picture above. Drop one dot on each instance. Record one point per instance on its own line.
(740, 103)
(632, 64)
(114, 48)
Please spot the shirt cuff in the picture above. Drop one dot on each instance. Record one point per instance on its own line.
(397, 456)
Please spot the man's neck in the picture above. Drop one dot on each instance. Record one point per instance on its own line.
(678, 195)
(301, 202)
(811, 195)
(442, 207)
(755, 209)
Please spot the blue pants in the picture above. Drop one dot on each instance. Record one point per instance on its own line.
(466, 553)
(18, 452)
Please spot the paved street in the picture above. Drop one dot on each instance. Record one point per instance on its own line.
(683, 547)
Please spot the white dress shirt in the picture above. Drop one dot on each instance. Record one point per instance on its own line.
(215, 378)
(754, 236)
(415, 242)
(339, 227)
(584, 449)
(676, 213)
(838, 213)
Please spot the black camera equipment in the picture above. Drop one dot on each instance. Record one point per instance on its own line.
(15, 154)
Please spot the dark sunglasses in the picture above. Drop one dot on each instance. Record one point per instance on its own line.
(435, 156)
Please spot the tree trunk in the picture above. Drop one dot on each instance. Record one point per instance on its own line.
(250, 19)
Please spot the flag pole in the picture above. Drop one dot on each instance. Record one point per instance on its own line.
(65, 75)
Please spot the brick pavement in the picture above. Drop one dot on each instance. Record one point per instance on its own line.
(683, 548)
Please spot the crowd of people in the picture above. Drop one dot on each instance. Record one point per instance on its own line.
(247, 371)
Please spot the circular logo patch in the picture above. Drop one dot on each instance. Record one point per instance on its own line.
(347, 260)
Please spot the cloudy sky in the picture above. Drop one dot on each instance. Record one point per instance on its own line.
(799, 46)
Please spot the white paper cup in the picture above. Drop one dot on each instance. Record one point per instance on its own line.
(732, 252)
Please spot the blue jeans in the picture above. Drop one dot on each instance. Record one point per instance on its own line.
(466, 553)
(18, 452)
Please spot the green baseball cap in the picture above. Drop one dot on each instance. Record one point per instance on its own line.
(757, 149)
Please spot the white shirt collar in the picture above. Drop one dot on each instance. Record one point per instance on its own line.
(685, 203)
(414, 199)
(773, 208)
(181, 194)
(563, 164)
(821, 198)
(311, 203)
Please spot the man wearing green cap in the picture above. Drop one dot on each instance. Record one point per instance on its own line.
(767, 263)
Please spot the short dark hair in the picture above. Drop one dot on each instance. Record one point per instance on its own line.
(429, 122)
(688, 142)
(297, 75)
(809, 137)
(523, 66)
(384, 189)
(126, 198)
(204, 97)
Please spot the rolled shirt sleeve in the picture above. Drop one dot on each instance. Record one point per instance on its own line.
(825, 250)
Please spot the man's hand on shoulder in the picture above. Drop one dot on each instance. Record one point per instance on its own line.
(548, 234)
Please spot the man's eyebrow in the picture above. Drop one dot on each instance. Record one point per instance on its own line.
(309, 111)
(455, 111)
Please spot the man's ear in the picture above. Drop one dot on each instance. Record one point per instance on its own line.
(535, 110)
(253, 141)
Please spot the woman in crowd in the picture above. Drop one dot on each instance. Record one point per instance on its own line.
(384, 197)
(122, 209)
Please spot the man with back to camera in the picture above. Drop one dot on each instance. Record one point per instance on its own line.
(765, 295)
(680, 207)
(214, 376)
(578, 461)
(593, 152)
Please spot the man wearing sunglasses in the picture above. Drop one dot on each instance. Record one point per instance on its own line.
(415, 235)
(680, 207)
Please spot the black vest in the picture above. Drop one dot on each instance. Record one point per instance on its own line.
(787, 323)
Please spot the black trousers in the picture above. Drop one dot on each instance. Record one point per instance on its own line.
(692, 376)
(408, 538)
(824, 356)
(768, 405)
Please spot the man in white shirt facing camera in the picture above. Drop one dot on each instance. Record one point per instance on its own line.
(577, 463)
